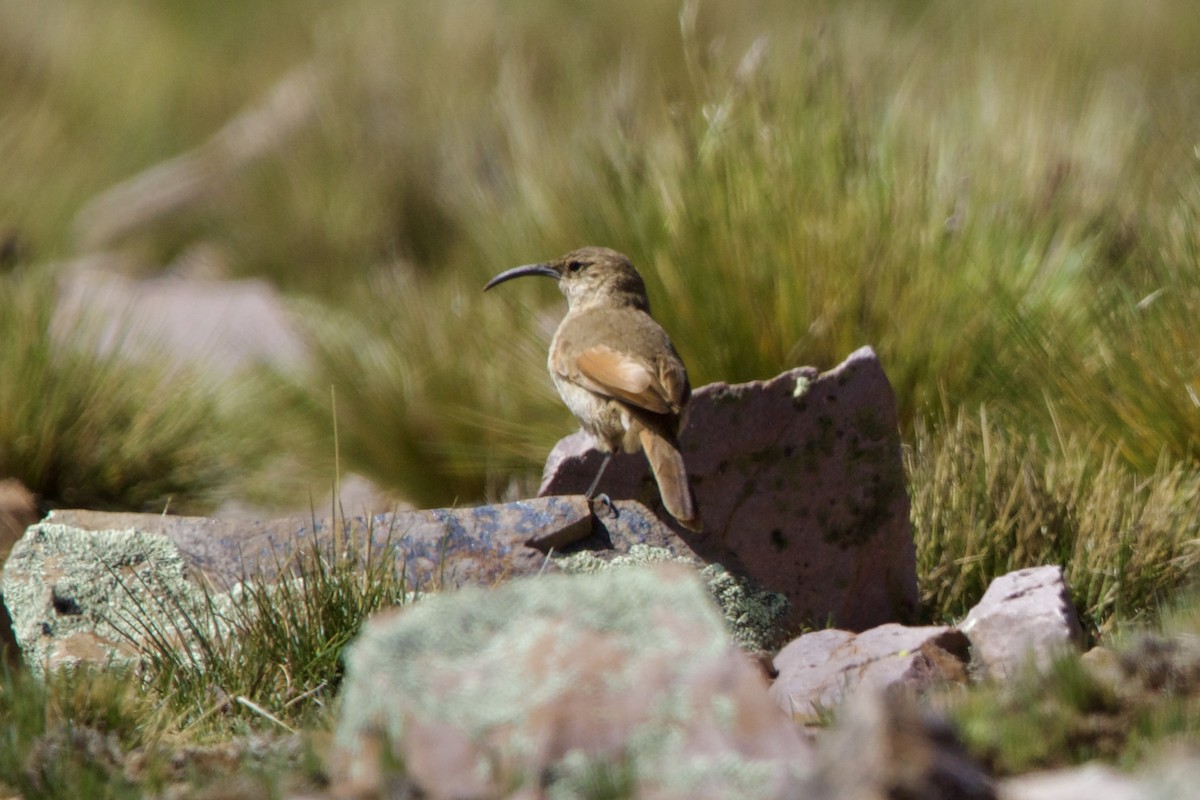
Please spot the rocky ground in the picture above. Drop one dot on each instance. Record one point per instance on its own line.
(572, 649)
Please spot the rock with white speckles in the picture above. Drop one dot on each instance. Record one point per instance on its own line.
(70, 576)
(800, 484)
(530, 688)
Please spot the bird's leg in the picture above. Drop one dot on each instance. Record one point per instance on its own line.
(599, 475)
(603, 498)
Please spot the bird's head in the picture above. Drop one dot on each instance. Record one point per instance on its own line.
(588, 276)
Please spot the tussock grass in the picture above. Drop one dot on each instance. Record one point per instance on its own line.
(988, 213)
(447, 403)
(986, 500)
(1002, 202)
(223, 686)
(91, 100)
(89, 428)
(268, 652)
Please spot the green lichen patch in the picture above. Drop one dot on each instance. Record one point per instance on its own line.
(751, 613)
(507, 628)
(75, 594)
(629, 657)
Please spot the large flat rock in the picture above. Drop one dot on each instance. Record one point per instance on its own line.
(524, 689)
(71, 576)
(800, 484)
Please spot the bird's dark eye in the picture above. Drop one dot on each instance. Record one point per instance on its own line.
(575, 266)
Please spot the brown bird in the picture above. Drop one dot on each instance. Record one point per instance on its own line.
(616, 369)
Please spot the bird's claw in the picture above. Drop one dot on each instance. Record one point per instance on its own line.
(602, 501)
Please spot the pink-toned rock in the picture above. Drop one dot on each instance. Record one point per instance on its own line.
(816, 670)
(450, 546)
(1024, 618)
(800, 484)
(478, 545)
(530, 686)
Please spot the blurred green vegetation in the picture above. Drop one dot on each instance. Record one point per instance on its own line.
(97, 429)
(1001, 198)
(1118, 704)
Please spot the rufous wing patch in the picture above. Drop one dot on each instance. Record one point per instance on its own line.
(610, 372)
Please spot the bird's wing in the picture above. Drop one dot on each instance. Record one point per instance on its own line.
(610, 372)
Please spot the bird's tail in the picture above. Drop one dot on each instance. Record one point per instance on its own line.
(666, 462)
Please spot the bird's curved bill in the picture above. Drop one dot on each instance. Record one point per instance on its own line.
(521, 272)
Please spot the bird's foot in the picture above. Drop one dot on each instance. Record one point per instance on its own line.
(602, 506)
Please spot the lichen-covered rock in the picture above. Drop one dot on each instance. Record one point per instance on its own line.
(481, 693)
(752, 614)
(800, 485)
(70, 577)
(79, 598)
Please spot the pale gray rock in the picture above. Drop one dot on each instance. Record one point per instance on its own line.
(528, 688)
(800, 485)
(817, 670)
(1025, 618)
(218, 325)
(73, 578)
(1087, 782)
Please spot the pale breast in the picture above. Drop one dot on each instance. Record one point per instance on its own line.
(604, 418)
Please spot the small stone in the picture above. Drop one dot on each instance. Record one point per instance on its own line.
(1024, 618)
(818, 669)
(1087, 782)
